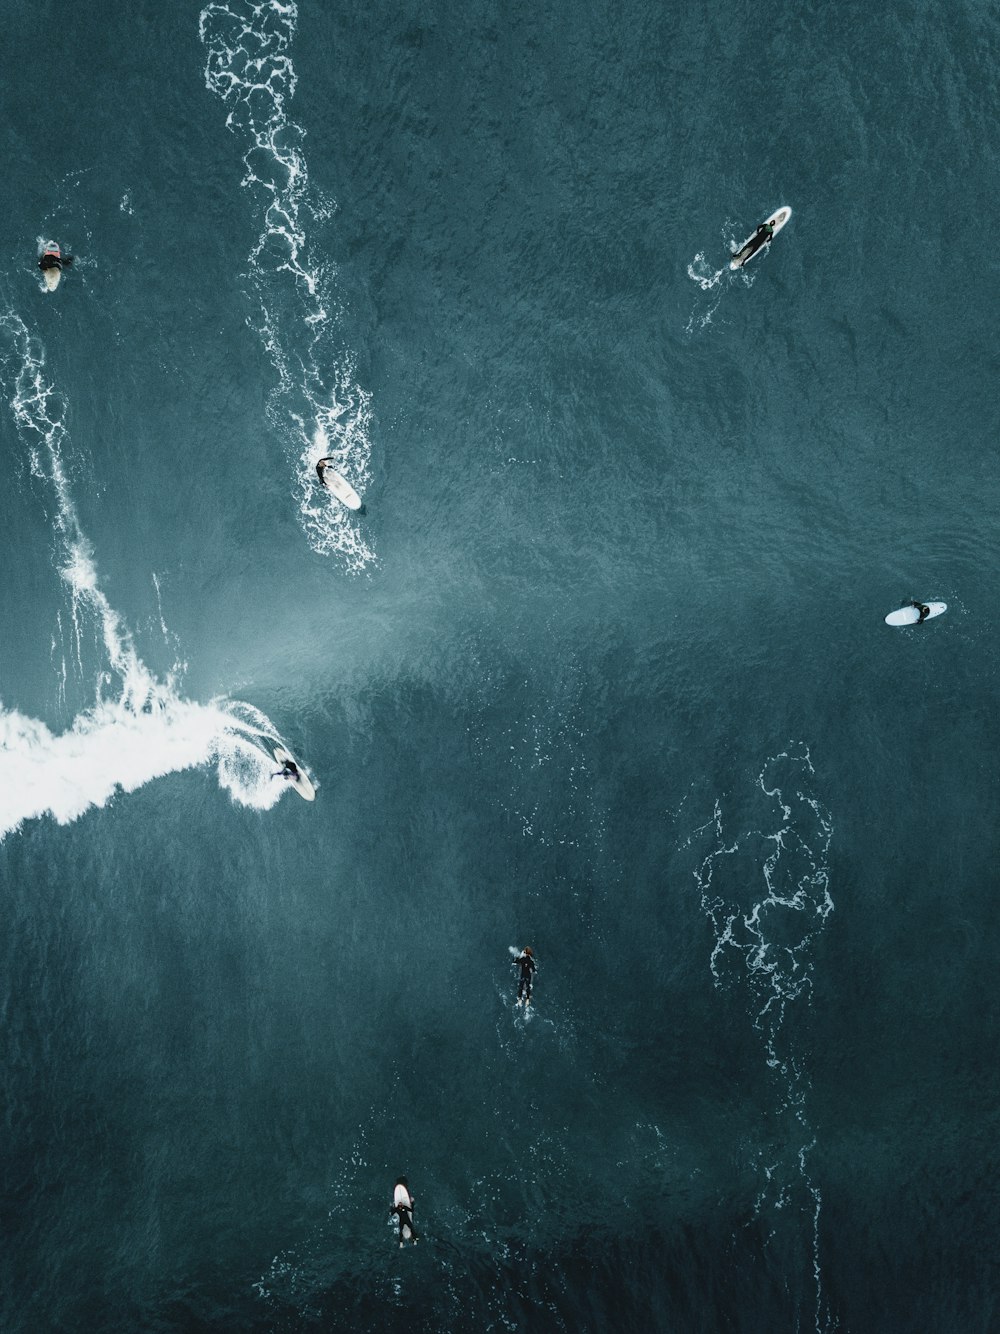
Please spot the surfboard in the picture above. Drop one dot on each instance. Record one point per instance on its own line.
(779, 218)
(342, 489)
(301, 784)
(910, 615)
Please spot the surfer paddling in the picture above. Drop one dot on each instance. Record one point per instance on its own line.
(402, 1208)
(760, 238)
(331, 480)
(525, 962)
(52, 262)
(924, 610)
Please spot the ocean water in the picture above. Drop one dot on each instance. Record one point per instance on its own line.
(600, 667)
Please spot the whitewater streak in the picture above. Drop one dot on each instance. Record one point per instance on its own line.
(139, 727)
(765, 925)
(317, 395)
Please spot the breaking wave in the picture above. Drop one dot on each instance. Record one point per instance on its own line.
(139, 727)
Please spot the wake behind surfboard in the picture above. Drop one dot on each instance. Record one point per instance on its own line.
(751, 246)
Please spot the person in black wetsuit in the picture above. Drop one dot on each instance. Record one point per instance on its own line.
(924, 610)
(761, 237)
(289, 770)
(402, 1207)
(526, 963)
(321, 468)
(53, 259)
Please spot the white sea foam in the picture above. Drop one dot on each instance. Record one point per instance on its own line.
(765, 922)
(317, 406)
(710, 282)
(714, 283)
(139, 727)
(114, 745)
(702, 273)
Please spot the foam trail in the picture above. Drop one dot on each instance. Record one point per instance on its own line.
(139, 727)
(765, 925)
(318, 407)
(711, 281)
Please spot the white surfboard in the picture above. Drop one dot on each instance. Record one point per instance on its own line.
(342, 489)
(910, 615)
(301, 784)
(779, 218)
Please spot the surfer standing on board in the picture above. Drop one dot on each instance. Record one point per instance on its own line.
(402, 1207)
(321, 468)
(526, 963)
(289, 769)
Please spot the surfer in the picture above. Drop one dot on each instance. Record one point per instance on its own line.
(402, 1207)
(760, 237)
(289, 769)
(526, 963)
(331, 480)
(52, 258)
(923, 608)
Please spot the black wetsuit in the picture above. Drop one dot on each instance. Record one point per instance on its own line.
(403, 1209)
(405, 1217)
(50, 261)
(527, 966)
(762, 235)
(924, 610)
(321, 468)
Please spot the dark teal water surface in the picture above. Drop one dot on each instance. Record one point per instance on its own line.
(601, 667)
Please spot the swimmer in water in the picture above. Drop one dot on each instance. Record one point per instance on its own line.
(402, 1207)
(526, 963)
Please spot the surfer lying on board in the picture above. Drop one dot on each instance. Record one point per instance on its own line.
(321, 468)
(526, 963)
(289, 770)
(53, 259)
(402, 1207)
(761, 237)
(923, 608)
